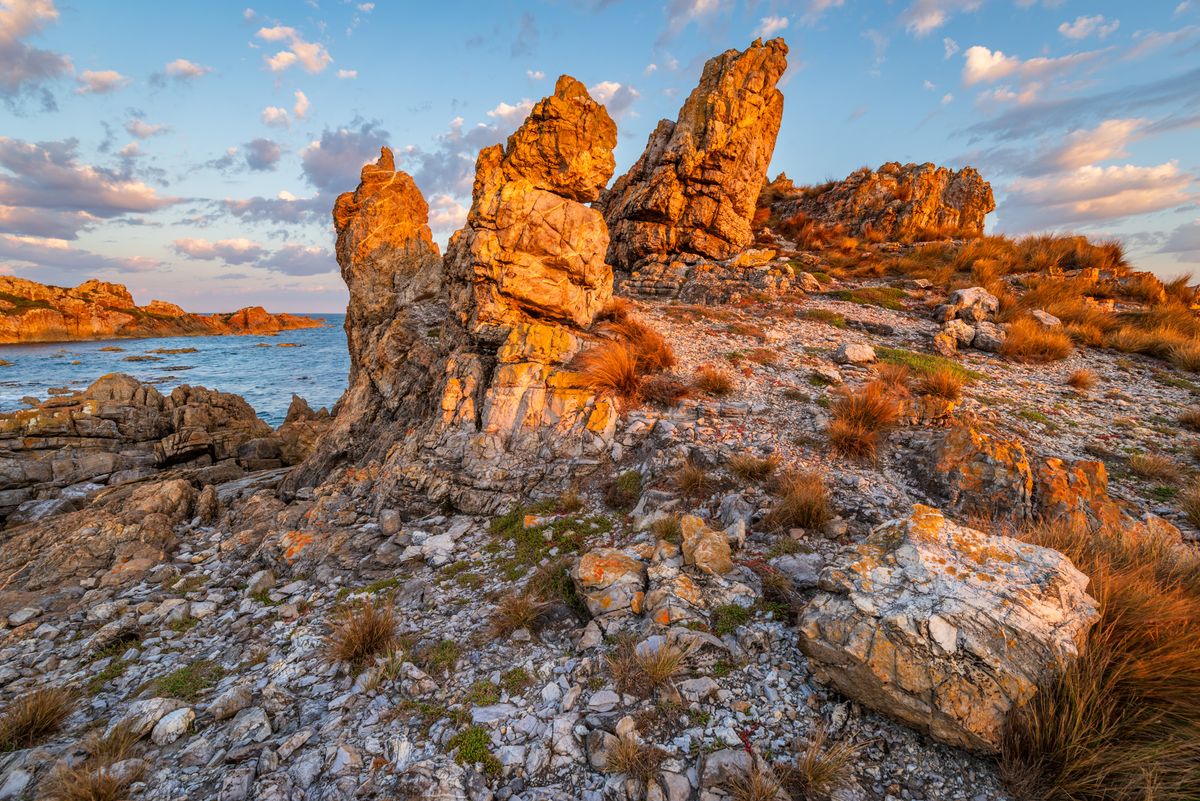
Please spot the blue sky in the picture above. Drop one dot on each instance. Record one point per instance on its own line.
(192, 150)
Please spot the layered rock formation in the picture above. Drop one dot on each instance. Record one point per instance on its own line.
(944, 627)
(898, 202)
(33, 312)
(458, 378)
(56, 455)
(693, 191)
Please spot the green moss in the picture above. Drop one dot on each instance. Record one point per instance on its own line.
(824, 316)
(886, 297)
(515, 680)
(114, 669)
(727, 618)
(925, 362)
(532, 545)
(21, 305)
(440, 657)
(721, 668)
(624, 492)
(474, 748)
(482, 693)
(189, 681)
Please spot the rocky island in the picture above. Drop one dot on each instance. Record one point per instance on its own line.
(691, 487)
(33, 312)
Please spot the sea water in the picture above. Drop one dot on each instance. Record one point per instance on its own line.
(265, 370)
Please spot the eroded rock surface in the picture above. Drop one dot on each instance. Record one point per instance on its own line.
(944, 627)
(693, 191)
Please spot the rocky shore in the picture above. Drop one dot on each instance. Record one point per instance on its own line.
(33, 312)
(693, 488)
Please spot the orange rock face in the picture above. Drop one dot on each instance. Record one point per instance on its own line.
(695, 187)
(33, 312)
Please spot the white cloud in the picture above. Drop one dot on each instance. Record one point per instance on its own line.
(446, 214)
(1092, 193)
(616, 97)
(313, 57)
(301, 107)
(1184, 241)
(249, 15)
(511, 115)
(100, 82)
(230, 251)
(366, 8)
(981, 65)
(928, 85)
(651, 68)
(1106, 141)
(818, 7)
(25, 69)
(681, 13)
(535, 75)
(1149, 41)
(275, 116)
(947, 99)
(923, 17)
(1083, 27)
(347, 74)
(949, 47)
(142, 129)
(769, 26)
(183, 70)
(57, 254)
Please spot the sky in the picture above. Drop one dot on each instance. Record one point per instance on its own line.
(192, 150)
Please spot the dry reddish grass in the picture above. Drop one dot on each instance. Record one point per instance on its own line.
(694, 480)
(634, 758)
(92, 779)
(362, 631)
(941, 382)
(1189, 503)
(612, 369)
(760, 783)
(1030, 341)
(897, 377)
(801, 501)
(1154, 466)
(860, 418)
(1121, 720)
(664, 390)
(646, 671)
(33, 717)
(651, 351)
(1081, 380)
(518, 611)
(1190, 418)
(822, 767)
(748, 467)
(712, 381)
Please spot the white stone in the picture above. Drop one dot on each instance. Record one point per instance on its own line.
(172, 726)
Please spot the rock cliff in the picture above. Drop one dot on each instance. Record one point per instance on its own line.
(458, 380)
(33, 312)
(693, 191)
(895, 203)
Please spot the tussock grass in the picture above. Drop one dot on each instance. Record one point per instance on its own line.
(823, 767)
(518, 611)
(1121, 720)
(619, 366)
(612, 369)
(634, 758)
(715, 382)
(362, 631)
(1190, 418)
(1082, 380)
(694, 480)
(92, 779)
(34, 717)
(760, 783)
(665, 391)
(941, 382)
(860, 418)
(801, 501)
(644, 672)
(1030, 341)
(1154, 466)
(749, 467)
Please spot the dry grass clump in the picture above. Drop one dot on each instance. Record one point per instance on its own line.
(1081, 380)
(667, 528)
(518, 611)
(715, 382)
(748, 467)
(612, 369)
(664, 390)
(634, 758)
(361, 632)
(651, 351)
(619, 366)
(822, 767)
(941, 382)
(1030, 341)
(760, 783)
(897, 377)
(694, 480)
(860, 418)
(1154, 466)
(33, 717)
(1121, 720)
(1190, 418)
(1189, 503)
(93, 779)
(802, 501)
(644, 671)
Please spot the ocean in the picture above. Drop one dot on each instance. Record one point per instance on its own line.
(259, 368)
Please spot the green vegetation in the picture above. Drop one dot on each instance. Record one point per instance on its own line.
(482, 693)
(886, 297)
(21, 305)
(925, 363)
(472, 745)
(189, 681)
(727, 618)
(623, 493)
(532, 545)
(824, 316)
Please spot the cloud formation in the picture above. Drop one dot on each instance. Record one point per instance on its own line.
(262, 155)
(100, 83)
(183, 70)
(1083, 27)
(311, 56)
(1092, 194)
(290, 259)
(24, 69)
(58, 255)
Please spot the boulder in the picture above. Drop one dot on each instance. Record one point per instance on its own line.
(610, 582)
(854, 353)
(974, 305)
(693, 191)
(945, 628)
(704, 548)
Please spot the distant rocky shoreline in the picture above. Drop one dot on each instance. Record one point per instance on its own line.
(31, 312)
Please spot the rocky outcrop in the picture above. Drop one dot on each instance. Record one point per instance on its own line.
(56, 455)
(33, 312)
(944, 627)
(754, 272)
(693, 191)
(897, 202)
(459, 382)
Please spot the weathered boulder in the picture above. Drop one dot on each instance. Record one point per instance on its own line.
(900, 202)
(610, 582)
(693, 191)
(945, 628)
(973, 304)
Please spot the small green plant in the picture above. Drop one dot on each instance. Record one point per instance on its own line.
(623, 493)
(440, 657)
(190, 681)
(924, 363)
(473, 747)
(515, 680)
(726, 619)
(482, 693)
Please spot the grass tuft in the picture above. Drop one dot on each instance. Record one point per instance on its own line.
(712, 381)
(32, 718)
(361, 632)
(860, 418)
(633, 758)
(518, 611)
(1030, 341)
(802, 501)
